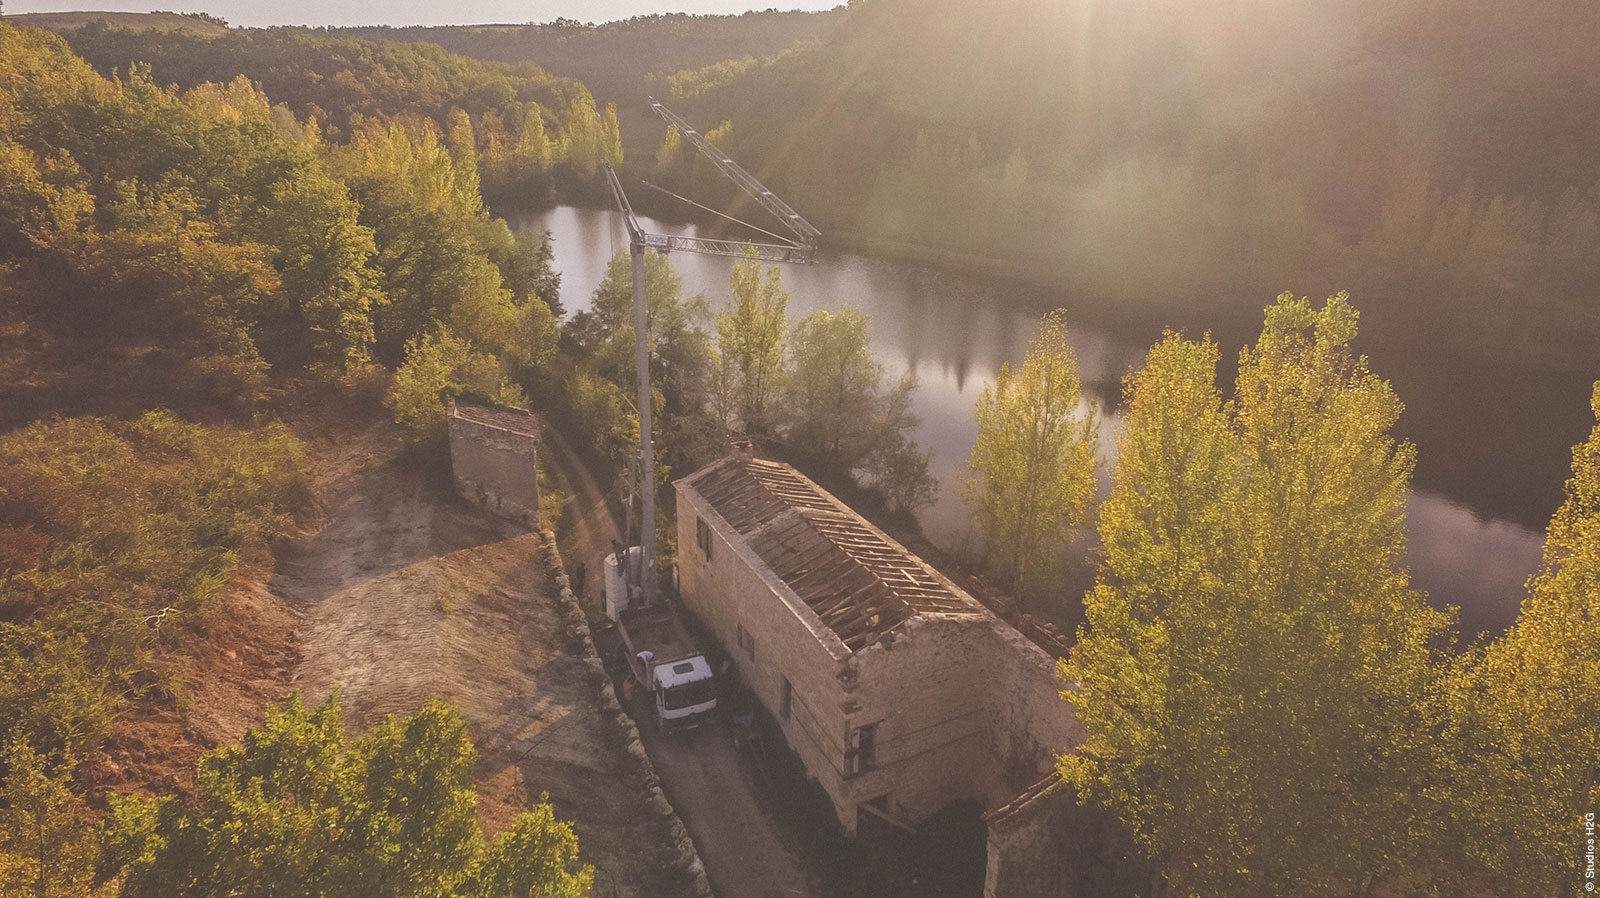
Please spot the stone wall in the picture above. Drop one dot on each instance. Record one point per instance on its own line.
(1029, 854)
(927, 687)
(577, 625)
(966, 708)
(734, 591)
(496, 468)
(1031, 722)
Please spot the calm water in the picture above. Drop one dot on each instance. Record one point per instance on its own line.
(1491, 464)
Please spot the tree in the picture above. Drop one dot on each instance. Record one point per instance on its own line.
(833, 387)
(533, 146)
(750, 338)
(294, 810)
(322, 251)
(898, 467)
(1525, 712)
(488, 317)
(1255, 673)
(1032, 466)
(585, 140)
(838, 411)
(670, 153)
(611, 137)
(439, 362)
(47, 847)
(464, 159)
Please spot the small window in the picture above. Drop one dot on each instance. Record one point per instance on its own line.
(788, 699)
(702, 536)
(863, 753)
(747, 642)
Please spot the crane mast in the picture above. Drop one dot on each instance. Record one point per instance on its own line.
(800, 249)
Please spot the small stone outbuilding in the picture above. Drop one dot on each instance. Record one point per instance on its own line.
(494, 455)
(900, 692)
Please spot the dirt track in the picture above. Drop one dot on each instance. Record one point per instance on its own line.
(408, 592)
(713, 792)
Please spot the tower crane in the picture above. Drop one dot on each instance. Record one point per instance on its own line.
(801, 248)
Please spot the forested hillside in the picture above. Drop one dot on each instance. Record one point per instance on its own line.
(530, 128)
(625, 61)
(173, 263)
(1438, 158)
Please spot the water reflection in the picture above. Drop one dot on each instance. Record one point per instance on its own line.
(956, 331)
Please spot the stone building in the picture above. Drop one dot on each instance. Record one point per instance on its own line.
(494, 458)
(899, 691)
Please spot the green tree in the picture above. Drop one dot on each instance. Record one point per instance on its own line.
(533, 145)
(833, 385)
(439, 362)
(489, 318)
(585, 143)
(838, 411)
(1525, 713)
(1255, 673)
(750, 338)
(47, 847)
(611, 137)
(1033, 464)
(294, 811)
(464, 158)
(321, 253)
(670, 153)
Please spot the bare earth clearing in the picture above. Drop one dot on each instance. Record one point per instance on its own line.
(405, 592)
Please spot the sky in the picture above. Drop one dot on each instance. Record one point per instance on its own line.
(416, 12)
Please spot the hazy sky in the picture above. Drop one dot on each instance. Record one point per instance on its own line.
(416, 12)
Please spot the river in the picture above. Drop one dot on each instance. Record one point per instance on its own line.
(1493, 448)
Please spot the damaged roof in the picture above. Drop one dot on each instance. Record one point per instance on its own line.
(857, 580)
(512, 420)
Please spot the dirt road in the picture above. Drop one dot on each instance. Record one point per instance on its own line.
(408, 592)
(745, 856)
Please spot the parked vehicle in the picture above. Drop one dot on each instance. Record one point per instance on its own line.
(661, 654)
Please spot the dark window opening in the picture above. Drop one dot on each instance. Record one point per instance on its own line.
(690, 694)
(702, 536)
(863, 753)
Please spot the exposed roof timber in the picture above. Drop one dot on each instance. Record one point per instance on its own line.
(859, 583)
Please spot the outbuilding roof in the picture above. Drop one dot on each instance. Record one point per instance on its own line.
(859, 582)
(511, 420)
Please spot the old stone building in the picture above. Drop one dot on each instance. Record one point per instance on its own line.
(899, 691)
(494, 459)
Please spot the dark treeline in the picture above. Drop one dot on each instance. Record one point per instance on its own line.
(1439, 158)
(624, 61)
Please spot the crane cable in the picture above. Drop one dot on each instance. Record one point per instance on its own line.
(788, 240)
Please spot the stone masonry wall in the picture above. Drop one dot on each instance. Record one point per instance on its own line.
(495, 469)
(730, 592)
(965, 706)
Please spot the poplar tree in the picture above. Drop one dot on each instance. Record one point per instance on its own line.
(611, 136)
(1032, 467)
(464, 159)
(1255, 673)
(1526, 713)
(584, 144)
(533, 145)
(671, 151)
(750, 339)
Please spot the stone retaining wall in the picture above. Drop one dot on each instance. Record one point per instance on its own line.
(577, 627)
